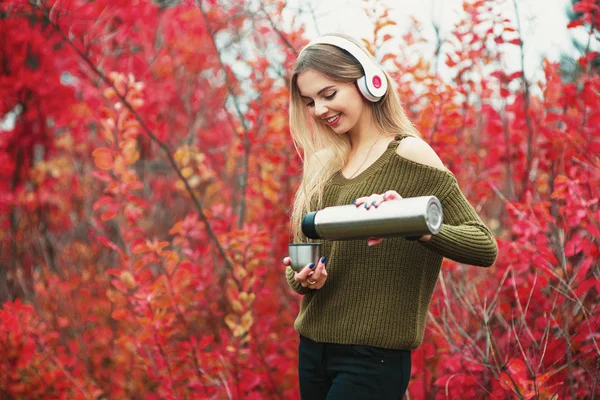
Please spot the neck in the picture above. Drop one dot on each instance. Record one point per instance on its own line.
(364, 134)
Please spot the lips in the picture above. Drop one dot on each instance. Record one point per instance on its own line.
(334, 121)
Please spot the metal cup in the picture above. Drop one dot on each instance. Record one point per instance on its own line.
(303, 254)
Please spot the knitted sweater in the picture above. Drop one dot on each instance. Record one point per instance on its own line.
(380, 295)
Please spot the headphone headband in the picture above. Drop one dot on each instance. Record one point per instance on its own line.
(374, 84)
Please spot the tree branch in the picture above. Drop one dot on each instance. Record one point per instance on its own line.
(243, 182)
(147, 130)
(527, 174)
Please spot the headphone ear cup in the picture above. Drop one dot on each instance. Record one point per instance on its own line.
(361, 84)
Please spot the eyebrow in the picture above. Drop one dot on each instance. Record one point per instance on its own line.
(320, 91)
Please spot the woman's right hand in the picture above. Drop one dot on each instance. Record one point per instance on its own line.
(311, 276)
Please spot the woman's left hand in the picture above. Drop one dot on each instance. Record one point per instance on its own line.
(375, 200)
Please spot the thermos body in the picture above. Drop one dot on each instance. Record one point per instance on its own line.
(407, 217)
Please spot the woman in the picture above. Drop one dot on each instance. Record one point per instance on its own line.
(365, 303)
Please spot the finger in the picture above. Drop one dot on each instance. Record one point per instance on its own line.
(286, 261)
(360, 201)
(373, 199)
(366, 200)
(296, 276)
(321, 281)
(374, 241)
(391, 195)
(318, 270)
(310, 279)
(379, 200)
(303, 274)
(303, 282)
(425, 238)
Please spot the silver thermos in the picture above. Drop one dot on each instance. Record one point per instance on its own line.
(410, 217)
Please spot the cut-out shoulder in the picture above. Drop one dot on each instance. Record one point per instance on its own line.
(419, 151)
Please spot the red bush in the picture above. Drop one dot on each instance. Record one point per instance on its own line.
(146, 186)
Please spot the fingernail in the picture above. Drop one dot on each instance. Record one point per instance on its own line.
(312, 265)
(365, 205)
(283, 261)
(374, 203)
(354, 202)
(323, 259)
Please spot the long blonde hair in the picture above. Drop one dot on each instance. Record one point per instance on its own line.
(326, 152)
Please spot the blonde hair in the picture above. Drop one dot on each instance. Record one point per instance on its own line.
(326, 152)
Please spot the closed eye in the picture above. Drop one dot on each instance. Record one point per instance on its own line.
(330, 97)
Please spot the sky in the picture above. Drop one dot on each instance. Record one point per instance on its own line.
(543, 22)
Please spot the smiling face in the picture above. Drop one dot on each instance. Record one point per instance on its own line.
(338, 105)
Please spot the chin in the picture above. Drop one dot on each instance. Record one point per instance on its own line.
(339, 131)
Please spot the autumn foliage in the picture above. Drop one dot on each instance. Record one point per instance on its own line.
(147, 177)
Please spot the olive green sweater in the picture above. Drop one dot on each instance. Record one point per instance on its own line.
(380, 295)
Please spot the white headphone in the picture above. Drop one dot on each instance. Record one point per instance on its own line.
(373, 84)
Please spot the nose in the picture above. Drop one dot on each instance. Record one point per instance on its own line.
(320, 109)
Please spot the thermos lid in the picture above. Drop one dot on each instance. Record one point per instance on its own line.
(308, 226)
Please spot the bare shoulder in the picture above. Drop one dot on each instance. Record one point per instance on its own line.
(417, 150)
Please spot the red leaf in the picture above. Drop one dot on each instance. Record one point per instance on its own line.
(140, 248)
(108, 214)
(593, 229)
(103, 158)
(206, 340)
(575, 23)
(573, 246)
(102, 201)
(450, 61)
(388, 56)
(584, 6)
(515, 75)
(110, 244)
(586, 285)
(121, 314)
(119, 285)
(102, 176)
(442, 380)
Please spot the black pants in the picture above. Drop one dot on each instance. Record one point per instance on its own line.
(342, 372)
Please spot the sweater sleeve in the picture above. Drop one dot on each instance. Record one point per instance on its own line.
(294, 284)
(463, 237)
